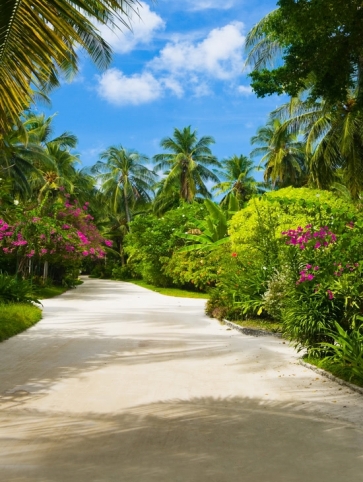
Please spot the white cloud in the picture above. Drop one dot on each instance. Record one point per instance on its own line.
(143, 30)
(174, 85)
(245, 89)
(182, 66)
(194, 5)
(120, 89)
(219, 55)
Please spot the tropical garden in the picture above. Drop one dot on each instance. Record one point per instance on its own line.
(271, 237)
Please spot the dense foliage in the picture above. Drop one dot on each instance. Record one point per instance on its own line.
(320, 40)
(286, 250)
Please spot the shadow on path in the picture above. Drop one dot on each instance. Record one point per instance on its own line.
(198, 440)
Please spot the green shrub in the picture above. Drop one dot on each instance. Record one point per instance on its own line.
(257, 227)
(307, 317)
(196, 269)
(13, 289)
(277, 293)
(152, 241)
(121, 273)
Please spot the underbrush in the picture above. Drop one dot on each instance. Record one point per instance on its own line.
(17, 317)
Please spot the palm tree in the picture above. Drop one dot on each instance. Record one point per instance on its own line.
(238, 180)
(185, 165)
(261, 47)
(333, 138)
(124, 178)
(282, 154)
(19, 160)
(61, 171)
(38, 39)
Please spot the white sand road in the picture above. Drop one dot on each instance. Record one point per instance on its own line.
(120, 384)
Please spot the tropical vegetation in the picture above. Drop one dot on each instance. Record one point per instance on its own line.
(283, 247)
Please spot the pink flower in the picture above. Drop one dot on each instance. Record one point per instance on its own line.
(109, 243)
(330, 294)
(85, 253)
(308, 266)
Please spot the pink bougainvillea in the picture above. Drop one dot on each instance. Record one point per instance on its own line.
(60, 231)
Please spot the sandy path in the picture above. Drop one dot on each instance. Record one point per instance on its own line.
(121, 384)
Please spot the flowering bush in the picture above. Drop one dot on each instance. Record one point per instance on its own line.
(58, 233)
(327, 278)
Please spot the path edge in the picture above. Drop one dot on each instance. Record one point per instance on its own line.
(319, 371)
(326, 374)
(250, 331)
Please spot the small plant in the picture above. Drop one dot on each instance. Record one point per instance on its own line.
(277, 291)
(347, 350)
(308, 317)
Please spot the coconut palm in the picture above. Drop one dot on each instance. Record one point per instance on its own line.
(39, 39)
(124, 178)
(238, 180)
(333, 139)
(261, 47)
(19, 160)
(185, 164)
(61, 172)
(282, 154)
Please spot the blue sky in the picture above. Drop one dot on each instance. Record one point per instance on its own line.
(181, 65)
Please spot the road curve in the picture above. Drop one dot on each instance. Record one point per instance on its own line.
(121, 384)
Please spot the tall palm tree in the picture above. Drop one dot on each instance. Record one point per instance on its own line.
(283, 155)
(238, 180)
(40, 38)
(185, 165)
(124, 178)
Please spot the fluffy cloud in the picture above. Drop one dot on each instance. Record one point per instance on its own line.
(119, 89)
(219, 55)
(144, 26)
(245, 89)
(182, 65)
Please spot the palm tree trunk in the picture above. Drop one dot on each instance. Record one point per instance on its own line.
(127, 208)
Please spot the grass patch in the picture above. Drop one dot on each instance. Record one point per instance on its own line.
(264, 325)
(17, 317)
(171, 291)
(338, 371)
(44, 292)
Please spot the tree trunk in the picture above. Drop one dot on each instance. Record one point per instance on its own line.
(45, 271)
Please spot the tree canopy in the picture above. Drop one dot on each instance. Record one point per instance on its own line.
(321, 45)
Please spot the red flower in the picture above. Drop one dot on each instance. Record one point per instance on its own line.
(234, 255)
